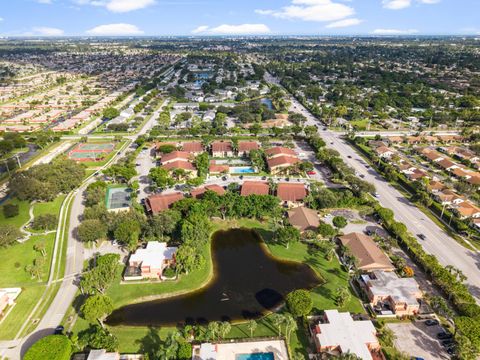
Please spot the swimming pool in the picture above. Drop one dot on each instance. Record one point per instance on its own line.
(256, 356)
(242, 170)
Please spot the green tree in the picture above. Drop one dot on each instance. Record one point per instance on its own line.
(90, 231)
(45, 222)
(252, 326)
(339, 222)
(9, 234)
(97, 337)
(213, 328)
(58, 347)
(10, 210)
(127, 233)
(184, 351)
(161, 177)
(99, 278)
(342, 296)
(202, 163)
(299, 302)
(96, 308)
(278, 320)
(110, 113)
(328, 249)
(326, 230)
(287, 235)
(224, 329)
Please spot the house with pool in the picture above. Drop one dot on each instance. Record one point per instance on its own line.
(149, 262)
(242, 350)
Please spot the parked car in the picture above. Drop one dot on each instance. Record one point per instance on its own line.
(349, 156)
(448, 342)
(422, 236)
(311, 172)
(444, 335)
(264, 178)
(431, 322)
(59, 330)
(362, 176)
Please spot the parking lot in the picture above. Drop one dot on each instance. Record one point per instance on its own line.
(418, 340)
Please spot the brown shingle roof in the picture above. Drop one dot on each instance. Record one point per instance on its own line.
(282, 161)
(179, 164)
(369, 255)
(303, 218)
(254, 187)
(278, 150)
(291, 192)
(161, 202)
(175, 155)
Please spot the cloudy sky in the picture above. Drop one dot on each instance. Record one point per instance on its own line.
(238, 17)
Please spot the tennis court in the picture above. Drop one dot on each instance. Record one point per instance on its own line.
(118, 198)
(90, 151)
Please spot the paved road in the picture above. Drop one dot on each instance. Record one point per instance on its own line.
(437, 242)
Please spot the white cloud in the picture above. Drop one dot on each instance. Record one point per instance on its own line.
(118, 6)
(1, 19)
(120, 29)
(47, 31)
(344, 23)
(44, 1)
(402, 4)
(311, 10)
(242, 29)
(394, 32)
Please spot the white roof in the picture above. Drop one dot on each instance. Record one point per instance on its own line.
(402, 290)
(154, 254)
(102, 355)
(207, 351)
(349, 335)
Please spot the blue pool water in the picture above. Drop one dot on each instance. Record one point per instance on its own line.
(255, 356)
(242, 170)
(267, 102)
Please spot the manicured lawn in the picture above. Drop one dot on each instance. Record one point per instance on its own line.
(25, 303)
(52, 207)
(21, 218)
(15, 258)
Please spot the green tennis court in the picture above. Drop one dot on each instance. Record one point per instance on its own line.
(118, 198)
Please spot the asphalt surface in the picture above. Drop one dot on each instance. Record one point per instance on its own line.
(437, 242)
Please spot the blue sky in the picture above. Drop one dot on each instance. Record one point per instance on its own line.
(238, 17)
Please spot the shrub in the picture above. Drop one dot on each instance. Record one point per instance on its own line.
(340, 222)
(10, 210)
(299, 302)
(169, 272)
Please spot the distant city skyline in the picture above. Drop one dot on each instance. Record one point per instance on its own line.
(219, 17)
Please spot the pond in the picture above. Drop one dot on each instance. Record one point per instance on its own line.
(267, 102)
(248, 282)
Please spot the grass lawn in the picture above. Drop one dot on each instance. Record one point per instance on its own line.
(25, 303)
(15, 258)
(21, 218)
(52, 207)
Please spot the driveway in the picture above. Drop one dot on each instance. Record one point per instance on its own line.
(418, 340)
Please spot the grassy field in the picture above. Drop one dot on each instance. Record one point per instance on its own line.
(21, 218)
(25, 303)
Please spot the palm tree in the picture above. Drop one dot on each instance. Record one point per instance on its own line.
(342, 296)
(328, 249)
(278, 320)
(252, 326)
(224, 329)
(213, 328)
(290, 325)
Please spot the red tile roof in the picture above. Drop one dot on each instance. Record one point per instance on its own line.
(282, 161)
(198, 192)
(221, 146)
(174, 155)
(291, 192)
(217, 169)
(179, 164)
(255, 187)
(161, 202)
(192, 146)
(278, 150)
(247, 146)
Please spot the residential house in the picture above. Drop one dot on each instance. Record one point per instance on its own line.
(447, 164)
(466, 210)
(175, 156)
(303, 218)
(102, 354)
(279, 151)
(338, 333)
(222, 149)
(291, 194)
(401, 295)
(367, 253)
(254, 187)
(149, 263)
(217, 169)
(449, 197)
(384, 152)
(280, 163)
(160, 202)
(435, 186)
(244, 147)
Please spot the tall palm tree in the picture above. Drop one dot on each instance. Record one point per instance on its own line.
(290, 325)
(252, 326)
(224, 328)
(278, 320)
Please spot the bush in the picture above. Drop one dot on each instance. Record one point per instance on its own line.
(56, 347)
(340, 222)
(169, 272)
(45, 222)
(299, 302)
(10, 210)
(184, 351)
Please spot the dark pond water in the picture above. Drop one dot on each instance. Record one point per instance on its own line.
(267, 102)
(248, 282)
